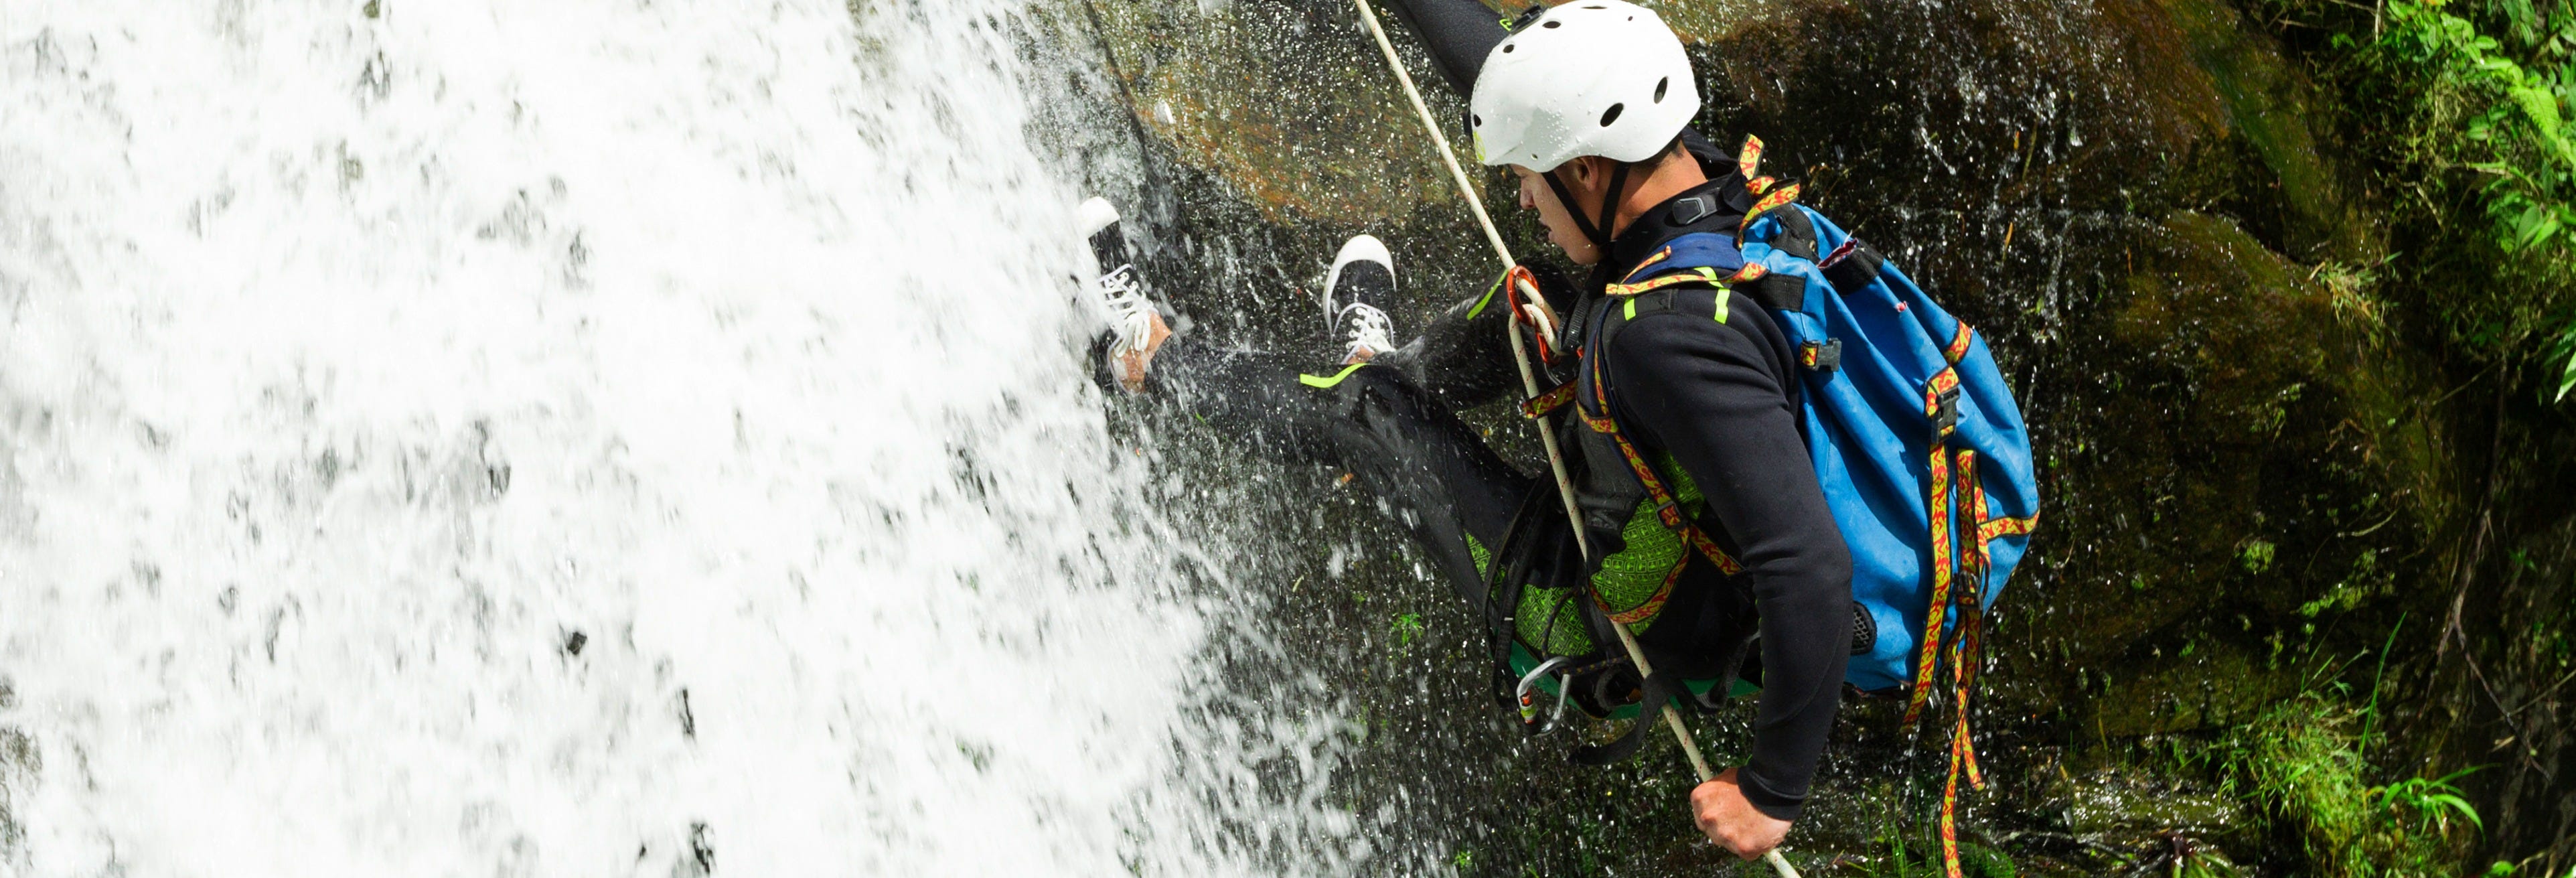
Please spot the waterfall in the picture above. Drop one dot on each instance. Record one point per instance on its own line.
(472, 437)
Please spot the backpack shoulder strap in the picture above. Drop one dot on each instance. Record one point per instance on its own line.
(1698, 256)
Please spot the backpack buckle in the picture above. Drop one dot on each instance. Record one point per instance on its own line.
(1824, 356)
(1945, 414)
(1670, 513)
(1693, 209)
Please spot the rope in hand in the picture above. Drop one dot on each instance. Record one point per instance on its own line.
(1529, 384)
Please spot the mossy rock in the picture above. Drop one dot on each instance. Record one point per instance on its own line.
(1279, 101)
(2238, 465)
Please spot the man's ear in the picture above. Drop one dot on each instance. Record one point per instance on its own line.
(1587, 174)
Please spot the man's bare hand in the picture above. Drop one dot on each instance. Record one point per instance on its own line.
(1722, 812)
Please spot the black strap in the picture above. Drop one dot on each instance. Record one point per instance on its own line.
(1566, 198)
(1729, 667)
(1658, 690)
(1778, 292)
(1508, 568)
(1797, 235)
(1599, 235)
(1849, 268)
(1609, 207)
(1857, 267)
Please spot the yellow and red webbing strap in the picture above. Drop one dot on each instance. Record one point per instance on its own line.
(1542, 404)
(1956, 490)
(1650, 261)
(1928, 661)
(1958, 349)
(1780, 197)
(1701, 275)
(1972, 609)
(1748, 162)
(1667, 509)
(1944, 548)
(1646, 609)
(1965, 658)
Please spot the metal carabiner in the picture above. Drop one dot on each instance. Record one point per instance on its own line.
(1529, 705)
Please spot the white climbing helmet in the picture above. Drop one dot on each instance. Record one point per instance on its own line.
(1591, 77)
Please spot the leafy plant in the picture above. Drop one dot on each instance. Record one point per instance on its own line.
(2432, 801)
(2466, 106)
(1405, 627)
(2255, 555)
(2303, 763)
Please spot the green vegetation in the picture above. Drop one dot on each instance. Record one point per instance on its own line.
(1924, 861)
(2255, 555)
(2304, 764)
(1404, 628)
(2465, 108)
(2302, 761)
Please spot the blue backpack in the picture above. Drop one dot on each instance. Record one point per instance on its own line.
(1914, 433)
(1915, 438)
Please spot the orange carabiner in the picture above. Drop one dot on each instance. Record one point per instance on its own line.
(1530, 309)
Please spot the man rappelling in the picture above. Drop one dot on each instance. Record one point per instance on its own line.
(1723, 369)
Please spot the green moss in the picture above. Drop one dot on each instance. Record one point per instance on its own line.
(2302, 762)
(2255, 556)
(2269, 104)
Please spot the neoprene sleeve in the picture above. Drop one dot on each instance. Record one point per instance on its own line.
(1396, 437)
(1459, 33)
(1712, 396)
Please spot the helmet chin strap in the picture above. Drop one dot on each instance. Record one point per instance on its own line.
(1599, 235)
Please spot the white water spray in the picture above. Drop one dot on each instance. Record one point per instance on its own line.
(587, 438)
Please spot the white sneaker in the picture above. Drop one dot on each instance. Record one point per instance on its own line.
(1362, 282)
(1120, 290)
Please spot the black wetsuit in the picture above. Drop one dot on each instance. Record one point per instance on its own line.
(1720, 398)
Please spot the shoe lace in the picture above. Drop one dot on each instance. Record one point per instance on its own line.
(1130, 313)
(1365, 327)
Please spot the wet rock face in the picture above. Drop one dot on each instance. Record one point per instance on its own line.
(2127, 197)
(2231, 480)
(1283, 101)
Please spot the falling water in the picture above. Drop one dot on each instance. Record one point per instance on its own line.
(582, 438)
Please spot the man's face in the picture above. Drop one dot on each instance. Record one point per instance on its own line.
(1561, 230)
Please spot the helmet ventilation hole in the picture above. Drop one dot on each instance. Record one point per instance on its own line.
(1478, 121)
(1612, 115)
(1553, 24)
(1660, 85)
(1507, 48)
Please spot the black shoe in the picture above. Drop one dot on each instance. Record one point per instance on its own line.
(1356, 294)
